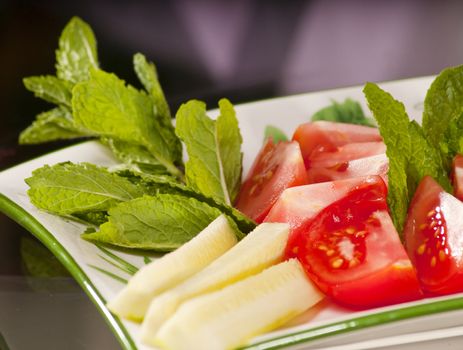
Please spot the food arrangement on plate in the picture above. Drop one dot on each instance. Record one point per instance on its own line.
(357, 210)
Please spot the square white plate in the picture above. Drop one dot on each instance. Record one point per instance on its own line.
(327, 326)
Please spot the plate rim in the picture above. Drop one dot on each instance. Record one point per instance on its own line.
(31, 224)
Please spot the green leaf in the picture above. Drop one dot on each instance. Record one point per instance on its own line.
(214, 165)
(52, 125)
(147, 74)
(135, 155)
(452, 141)
(50, 88)
(275, 133)
(76, 52)
(424, 160)
(155, 184)
(67, 189)
(443, 103)
(393, 125)
(161, 223)
(105, 105)
(94, 218)
(348, 111)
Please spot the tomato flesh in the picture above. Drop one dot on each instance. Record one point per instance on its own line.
(322, 136)
(276, 168)
(434, 238)
(457, 176)
(352, 251)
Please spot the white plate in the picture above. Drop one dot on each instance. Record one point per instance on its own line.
(327, 326)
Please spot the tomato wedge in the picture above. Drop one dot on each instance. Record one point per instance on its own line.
(353, 253)
(277, 167)
(323, 136)
(457, 176)
(434, 238)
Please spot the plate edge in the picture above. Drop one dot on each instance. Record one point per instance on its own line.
(31, 224)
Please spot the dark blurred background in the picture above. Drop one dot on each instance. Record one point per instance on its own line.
(243, 49)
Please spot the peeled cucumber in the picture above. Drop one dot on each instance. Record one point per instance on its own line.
(260, 249)
(229, 317)
(173, 268)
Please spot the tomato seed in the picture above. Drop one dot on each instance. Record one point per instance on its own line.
(433, 261)
(442, 255)
(330, 252)
(423, 227)
(421, 249)
(337, 263)
(431, 213)
(350, 230)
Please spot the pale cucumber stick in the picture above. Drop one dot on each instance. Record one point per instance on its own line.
(260, 249)
(166, 272)
(227, 318)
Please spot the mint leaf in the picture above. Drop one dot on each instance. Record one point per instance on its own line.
(135, 155)
(147, 74)
(348, 111)
(424, 160)
(50, 88)
(275, 134)
(162, 222)
(215, 161)
(443, 103)
(155, 184)
(393, 125)
(66, 188)
(77, 51)
(105, 105)
(55, 124)
(452, 140)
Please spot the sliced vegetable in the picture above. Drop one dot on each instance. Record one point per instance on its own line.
(276, 168)
(171, 269)
(457, 176)
(352, 252)
(228, 318)
(323, 136)
(434, 238)
(373, 165)
(297, 206)
(261, 248)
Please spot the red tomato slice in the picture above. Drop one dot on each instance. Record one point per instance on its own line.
(297, 206)
(374, 165)
(277, 167)
(322, 136)
(457, 176)
(346, 153)
(353, 253)
(434, 238)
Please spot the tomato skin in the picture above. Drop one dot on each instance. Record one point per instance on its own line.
(297, 206)
(323, 136)
(457, 176)
(346, 153)
(434, 238)
(276, 168)
(353, 253)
